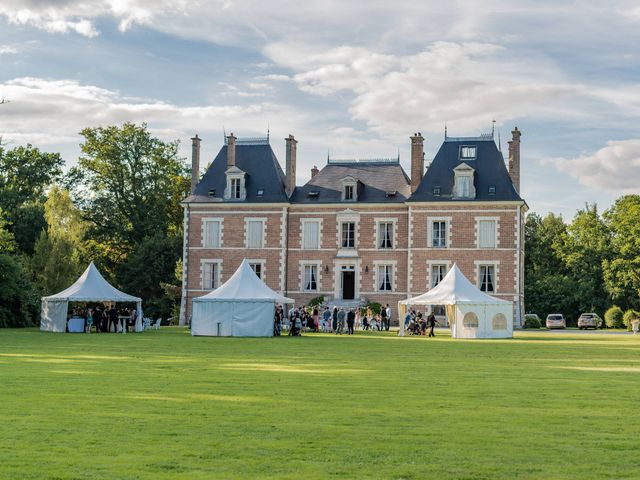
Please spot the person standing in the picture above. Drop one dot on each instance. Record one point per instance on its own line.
(326, 319)
(351, 317)
(388, 312)
(340, 321)
(431, 323)
(383, 318)
(334, 323)
(358, 324)
(316, 319)
(113, 319)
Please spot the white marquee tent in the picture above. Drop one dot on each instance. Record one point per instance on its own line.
(471, 312)
(90, 287)
(244, 306)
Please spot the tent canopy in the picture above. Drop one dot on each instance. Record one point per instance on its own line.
(454, 289)
(92, 287)
(244, 285)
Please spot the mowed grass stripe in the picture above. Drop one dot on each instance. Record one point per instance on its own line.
(165, 405)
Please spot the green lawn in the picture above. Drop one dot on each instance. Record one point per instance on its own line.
(165, 405)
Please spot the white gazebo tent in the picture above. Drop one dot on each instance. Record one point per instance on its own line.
(471, 312)
(90, 287)
(244, 306)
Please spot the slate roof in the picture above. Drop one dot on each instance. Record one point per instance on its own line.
(375, 179)
(489, 166)
(262, 169)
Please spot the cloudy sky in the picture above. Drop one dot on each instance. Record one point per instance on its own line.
(350, 78)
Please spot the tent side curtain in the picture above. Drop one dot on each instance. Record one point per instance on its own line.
(53, 316)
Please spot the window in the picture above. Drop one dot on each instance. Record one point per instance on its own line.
(487, 278)
(470, 320)
(310, 235)
(385, 274)
(486, 233)
(310, 278)
(260, 192)
(385, 235)
(437, 274)
(499, 322)
(348, 235)
(257, 268)
(255, 233)
(235, 188)
(463, 182)
(211, 275)
(467, 153)
(492, 189)
(211, 237)
(439, 234)
(436, 191)
(464, 186)
(348, 192)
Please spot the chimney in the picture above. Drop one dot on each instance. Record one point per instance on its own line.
(314, 171)
(514, 158)
(231, 151)
(417, 160)
(291, 164)
(195, 162)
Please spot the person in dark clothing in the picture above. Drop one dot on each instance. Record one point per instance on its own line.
(113, 320)
(351, 318)
(384, 321)
(431, 323)
(97, 319)
(335, 320)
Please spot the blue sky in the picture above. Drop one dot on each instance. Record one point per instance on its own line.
(352, 78)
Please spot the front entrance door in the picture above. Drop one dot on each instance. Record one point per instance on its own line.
(348, 285)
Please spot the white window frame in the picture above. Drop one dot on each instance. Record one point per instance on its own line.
(463, 171)
(204, 264)
(234, 174)
(465, 147)
(353, 183)
(479, 266)
(430, 222)
(342, 238)
(379, 233)
(309, 267)
(496, 232)
(262, 263)
(204, 231)
(247, 220)
(303, 223)
(389, 271)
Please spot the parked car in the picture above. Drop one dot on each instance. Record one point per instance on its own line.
(589, 320)
(556, 320)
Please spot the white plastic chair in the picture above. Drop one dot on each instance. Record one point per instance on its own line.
(146, 323)
(156, 325)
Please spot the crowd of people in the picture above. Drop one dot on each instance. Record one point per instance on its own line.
(416, 324)
(337, 320)
(106, 319)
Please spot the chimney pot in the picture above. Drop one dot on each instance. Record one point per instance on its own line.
(231, 151)
(417, 160)
(291, 157)
(195, 162)
(514, 158)
(314, 171)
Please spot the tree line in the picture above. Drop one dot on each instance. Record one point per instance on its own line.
(118, 206)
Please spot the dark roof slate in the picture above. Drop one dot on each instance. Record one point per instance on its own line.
(262, 169)
(489, 166)
(375, 179)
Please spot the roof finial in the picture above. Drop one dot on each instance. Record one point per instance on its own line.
(398, 154)
(224, 135)
(499, 142)
(328, 151)
(493, 129)
(445, 129)
(268, 130)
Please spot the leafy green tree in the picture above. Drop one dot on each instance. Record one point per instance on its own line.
(58, 256)
(19, 300)
(7, 242)
(25, 175)
(130, 187)
(614, 318)
(622, 268)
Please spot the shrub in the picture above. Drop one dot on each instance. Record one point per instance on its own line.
(629, 315)
(614, 317)
(375, 307)
(531, 320)
(316, 302)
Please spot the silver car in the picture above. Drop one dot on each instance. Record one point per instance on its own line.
(556, 320)
(589, 320)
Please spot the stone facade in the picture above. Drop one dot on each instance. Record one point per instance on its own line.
(385, 270)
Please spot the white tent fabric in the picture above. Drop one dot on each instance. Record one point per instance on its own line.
(244, 306)
(471, 312)
(90, 287)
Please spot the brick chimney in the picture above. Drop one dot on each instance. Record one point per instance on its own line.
(514, 158)
(314, 171)
(195, 162)
(231, 151)
(291, 164)
(417, 160)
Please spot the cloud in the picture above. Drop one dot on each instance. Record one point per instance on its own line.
(8, 50)
(615, 168)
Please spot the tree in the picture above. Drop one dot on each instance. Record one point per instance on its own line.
(622, 269)
(25, 175)
(132, 184)
(58, 256)
(19, 300)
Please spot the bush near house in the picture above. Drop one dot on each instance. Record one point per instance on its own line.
(531, 320)
(614, 318)
(629, 315)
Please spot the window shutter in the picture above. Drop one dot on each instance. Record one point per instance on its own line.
(311, 235)
(487, 233)
(254, 234)
(212, 234)
(208, 275)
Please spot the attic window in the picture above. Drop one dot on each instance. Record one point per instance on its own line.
(260, 192)
(436, 191)
(348, 192)
(492, 190)
(313, 194)
(467, 152)
(212, 192)
(391, 193)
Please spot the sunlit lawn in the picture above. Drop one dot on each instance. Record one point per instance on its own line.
(165, 405)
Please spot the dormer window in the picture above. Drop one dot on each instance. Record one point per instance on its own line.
(348, 192)
(436, 191)
(467, 152)
(463, 187)
(349, 189)
(492, 190)
(236, 187)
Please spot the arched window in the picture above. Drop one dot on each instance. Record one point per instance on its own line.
(499, 322)
(470, 320)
